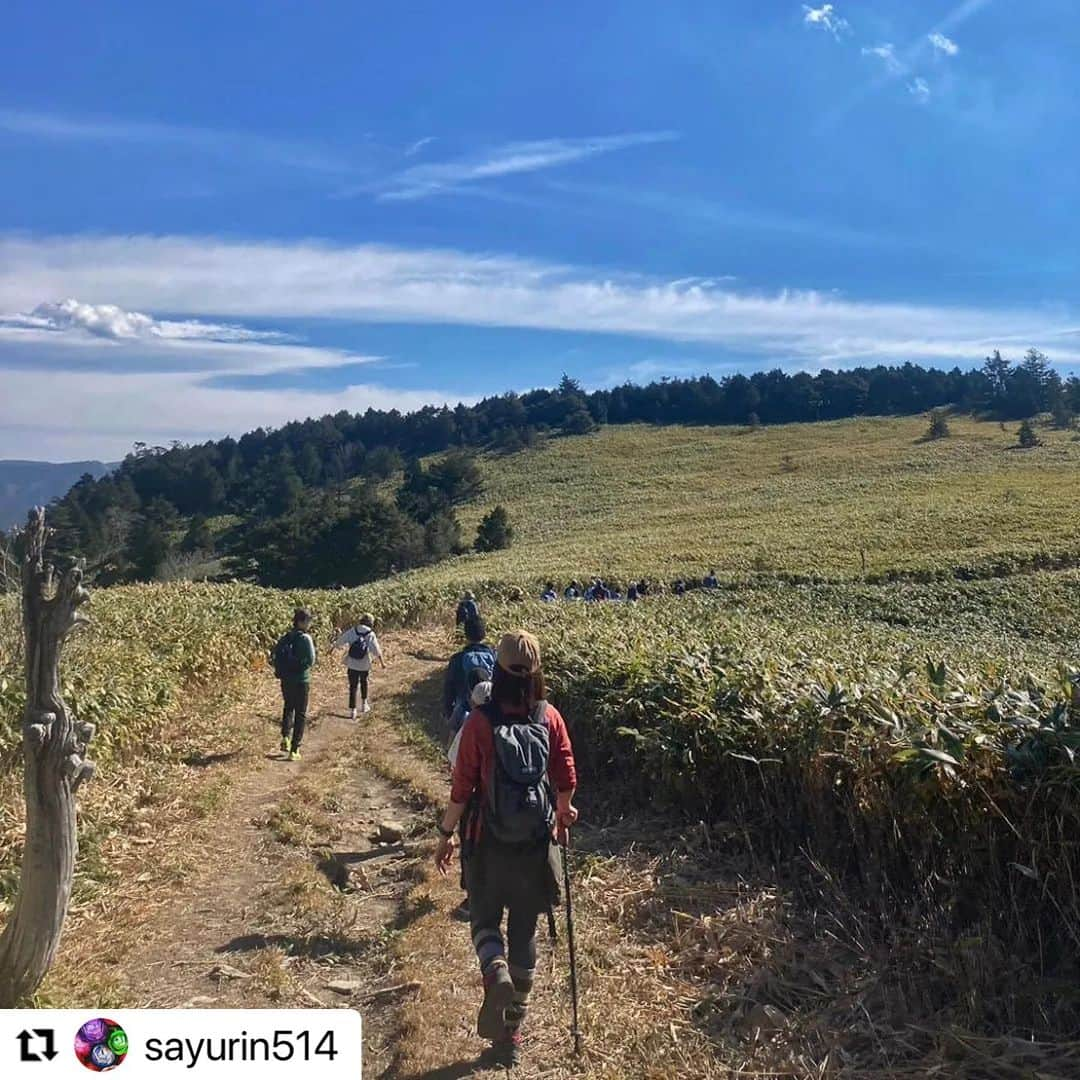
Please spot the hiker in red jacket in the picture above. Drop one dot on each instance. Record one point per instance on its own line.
(512, 791)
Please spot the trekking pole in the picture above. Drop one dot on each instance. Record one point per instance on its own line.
(575, 1030)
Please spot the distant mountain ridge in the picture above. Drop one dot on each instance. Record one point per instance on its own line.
(25, 484)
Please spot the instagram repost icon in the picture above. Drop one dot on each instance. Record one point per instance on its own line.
(101, 1044)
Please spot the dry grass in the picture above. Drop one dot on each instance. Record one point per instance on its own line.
(697, 960)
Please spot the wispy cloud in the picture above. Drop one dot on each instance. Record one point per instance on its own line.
(102, 414)
(414, 148)
(69, 334)
(826, 18)
(132, 383)
(961, 13)
(906, 62)
(887, 55)
(211, 279)
(64, 127)
(943, 44)
(920, 90)
(696, 213)
(114, 323)
(423, 181)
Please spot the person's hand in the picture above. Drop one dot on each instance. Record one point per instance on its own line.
(444, 853)
(565, 820)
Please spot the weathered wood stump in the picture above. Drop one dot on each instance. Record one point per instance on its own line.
(54, 748)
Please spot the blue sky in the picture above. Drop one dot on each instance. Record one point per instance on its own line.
(214, 216)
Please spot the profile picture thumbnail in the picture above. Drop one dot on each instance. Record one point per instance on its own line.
(101, 1044)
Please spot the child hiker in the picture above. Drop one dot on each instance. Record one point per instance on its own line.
(514, 782)
(363, 646)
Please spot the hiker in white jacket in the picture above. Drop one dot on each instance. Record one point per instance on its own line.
(363, 647)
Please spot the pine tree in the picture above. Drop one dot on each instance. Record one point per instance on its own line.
(939, 425)
(495, 532)
(1026, 435)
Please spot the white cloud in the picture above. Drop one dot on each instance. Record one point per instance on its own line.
(101, 415)
(63, 127)
(118, 388)
(919, 89)
(209, 278)
(416, 147)
(422, 181)
(110, 321)
(827, 19)
(962, 12)
(887, 55)
(69, 335)
(943, 44)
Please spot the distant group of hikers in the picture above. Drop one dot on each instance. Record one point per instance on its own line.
(598, 590)
(511, 802)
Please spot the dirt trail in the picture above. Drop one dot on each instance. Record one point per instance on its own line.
(251, 881)
(285, 896)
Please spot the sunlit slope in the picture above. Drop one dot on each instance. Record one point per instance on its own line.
(803, 498)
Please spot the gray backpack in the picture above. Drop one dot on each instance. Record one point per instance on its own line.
(520, 809)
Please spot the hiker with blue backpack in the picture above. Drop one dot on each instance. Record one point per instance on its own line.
(363, 647)
(512, 795)
(472, 665)
(294, 657)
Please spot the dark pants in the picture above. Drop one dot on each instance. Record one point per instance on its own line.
(519, 949)
(515, 884)
(294, 713)
(357, 678)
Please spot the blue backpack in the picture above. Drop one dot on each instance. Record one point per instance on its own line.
(477, 666)
(519, 810)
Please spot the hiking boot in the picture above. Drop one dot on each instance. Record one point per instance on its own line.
(352, 714)
(366, 708)
(294, 756)
(506, 1050)
(285, 744)
(498, 993)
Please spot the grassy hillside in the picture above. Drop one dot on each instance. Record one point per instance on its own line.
(912, 743)
(802, 498)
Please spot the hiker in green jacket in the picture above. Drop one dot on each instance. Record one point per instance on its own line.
(294, 657)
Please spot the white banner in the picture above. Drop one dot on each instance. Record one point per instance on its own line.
(70, 1044)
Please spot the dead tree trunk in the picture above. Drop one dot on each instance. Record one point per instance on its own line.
(54, 745)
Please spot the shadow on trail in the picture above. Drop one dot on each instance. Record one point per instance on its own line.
(412, 910)
(334, 866)
(424, 705)
(204, 761)
(310, 947)
(456, 1071)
